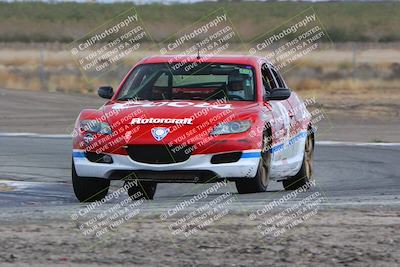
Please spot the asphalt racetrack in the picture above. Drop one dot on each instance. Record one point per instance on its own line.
(35, 171)
(350, 218)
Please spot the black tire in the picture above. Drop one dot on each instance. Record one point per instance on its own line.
(305, 174)
(89, 189)
(147, 190)
(260, 182)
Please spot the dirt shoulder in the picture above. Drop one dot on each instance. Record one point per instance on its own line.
(347, 237)
(356, 118)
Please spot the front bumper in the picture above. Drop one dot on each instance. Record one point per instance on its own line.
(196, 165)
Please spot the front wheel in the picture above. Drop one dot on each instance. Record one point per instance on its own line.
(260, 182)
(89, 189)
(305, 174)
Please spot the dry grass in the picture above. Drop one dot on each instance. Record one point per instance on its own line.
(55, 70)
(369, 89)
(332, 57)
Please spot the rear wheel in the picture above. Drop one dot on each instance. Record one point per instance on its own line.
(260, 182)
(142, 190)
(305, 174)
(89, 189)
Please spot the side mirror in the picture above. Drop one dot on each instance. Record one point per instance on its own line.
(105, 92)
(278, 94)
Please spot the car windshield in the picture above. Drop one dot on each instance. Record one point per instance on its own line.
(192, 81)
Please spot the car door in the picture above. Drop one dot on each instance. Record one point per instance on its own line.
(296, 139)
(277, 115)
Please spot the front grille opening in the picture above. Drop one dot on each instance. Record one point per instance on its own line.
(99, 157)
(189, 176)
(159, 154)
(226, 157)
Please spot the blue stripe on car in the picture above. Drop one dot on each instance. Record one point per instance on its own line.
(78, 154)
(291, 142)
(247, 155)
(276, 148)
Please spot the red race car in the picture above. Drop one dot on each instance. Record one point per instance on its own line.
(177, 119)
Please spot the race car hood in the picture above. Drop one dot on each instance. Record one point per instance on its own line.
(128, 112)
(137, 121)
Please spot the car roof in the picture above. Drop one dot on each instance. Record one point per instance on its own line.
(232, 59)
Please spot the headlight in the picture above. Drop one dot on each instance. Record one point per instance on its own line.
(93, 126)
(231, 127)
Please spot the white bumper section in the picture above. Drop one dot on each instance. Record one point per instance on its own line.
(245, 167)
